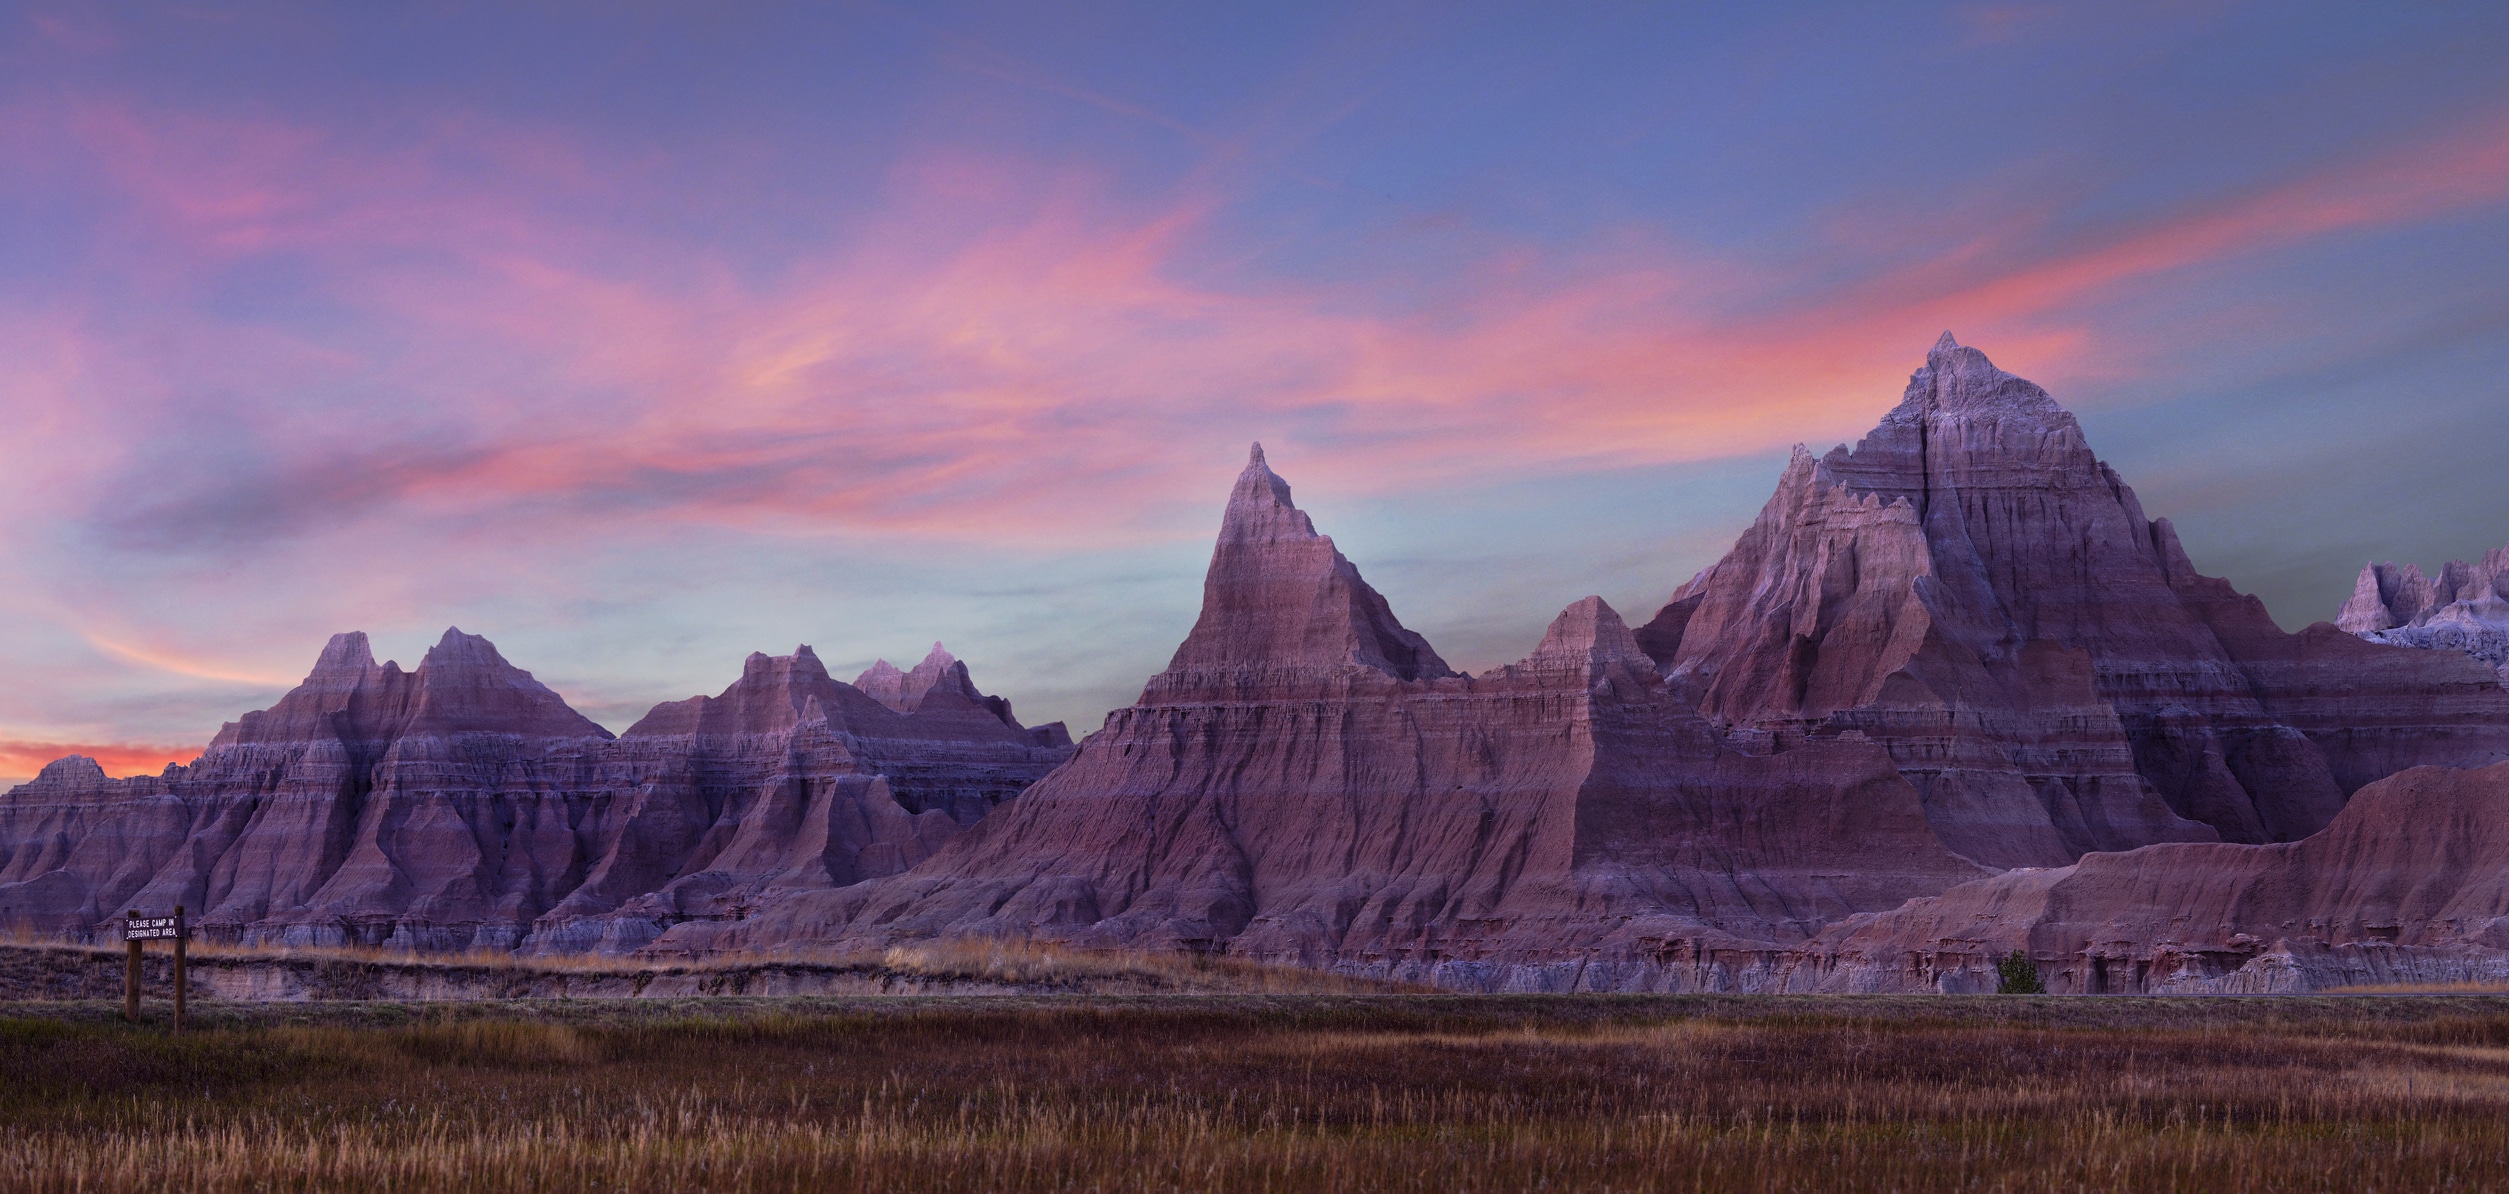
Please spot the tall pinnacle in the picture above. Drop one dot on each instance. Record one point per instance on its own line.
(1259, 493)
(1278, 596)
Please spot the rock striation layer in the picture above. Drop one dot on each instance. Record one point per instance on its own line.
(464, 805)
(2465, 608)
(1308, 782)
(2409, 885)
(1975, 590)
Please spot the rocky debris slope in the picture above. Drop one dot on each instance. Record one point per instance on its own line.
(2465, 608)
(1972, 588)
(464, 805)
(2408, 885)
(1308, 782)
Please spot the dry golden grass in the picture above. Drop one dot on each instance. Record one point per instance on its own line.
(999, 962)
(2424, 989)
(1276, 1093)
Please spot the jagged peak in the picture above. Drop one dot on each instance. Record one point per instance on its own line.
(803, 662)
(1278, 595)
(457, 648)
(1959, 380)
(72, 769)
(1801, 466)
(1589, 632)
(1260, 506)
(937, 658)
(346, 656)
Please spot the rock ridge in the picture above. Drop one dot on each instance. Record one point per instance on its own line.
(1971, 587)
(1290, 790)
(465, 805)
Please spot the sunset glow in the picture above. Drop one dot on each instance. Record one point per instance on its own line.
(638, 344)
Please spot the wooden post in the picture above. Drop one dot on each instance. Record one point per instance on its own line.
(130, 978)
(180, 932)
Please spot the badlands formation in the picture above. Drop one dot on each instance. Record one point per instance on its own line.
(463, 805)
(2465, 608)
(1952, 695)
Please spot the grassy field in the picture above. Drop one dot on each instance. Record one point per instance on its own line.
(1392, 1092)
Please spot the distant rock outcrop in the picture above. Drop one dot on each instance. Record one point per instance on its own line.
(1309, 782)
(1972, 588)
(463, 805)
(2465, 608)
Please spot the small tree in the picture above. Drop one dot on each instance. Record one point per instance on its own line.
(2018, 975)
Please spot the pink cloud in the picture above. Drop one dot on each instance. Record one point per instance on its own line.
(1007, 353)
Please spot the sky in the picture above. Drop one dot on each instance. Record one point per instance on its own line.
(638, 337)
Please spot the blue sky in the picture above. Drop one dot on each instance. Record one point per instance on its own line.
(640, 337)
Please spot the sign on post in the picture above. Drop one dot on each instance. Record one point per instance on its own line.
(137, 929)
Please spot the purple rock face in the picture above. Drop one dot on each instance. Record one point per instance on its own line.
(1308, 782)
(463, 805)
(1280, 605)
(1973, 589)
(2410, 884)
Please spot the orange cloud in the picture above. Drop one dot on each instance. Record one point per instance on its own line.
(117, 758)
(182, 665)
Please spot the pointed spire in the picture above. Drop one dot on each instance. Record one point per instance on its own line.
(883, 682)
(1261, 496)
(1589, 634)
(345, 658)
(1278, 596)
(1944, 344)
(2366, 612)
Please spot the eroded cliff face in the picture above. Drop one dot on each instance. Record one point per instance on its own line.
(464, 805)
(2465, 608)
(1972, 588)
(2409, 884)
(1308, 782)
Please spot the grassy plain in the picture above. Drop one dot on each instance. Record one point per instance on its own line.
(1268, 1092)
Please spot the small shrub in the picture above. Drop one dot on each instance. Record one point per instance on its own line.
(2018, 975)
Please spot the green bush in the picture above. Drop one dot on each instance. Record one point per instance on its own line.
(2018, 975)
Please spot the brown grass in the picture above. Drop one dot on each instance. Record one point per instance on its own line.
(980, 962)
(2424, 989)
(1274, 1093)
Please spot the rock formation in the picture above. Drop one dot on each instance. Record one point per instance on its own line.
(1307, 781)
(463, 804)
(1955, 649)
(1972, 588)
(2466, 608)
(2410, 884)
